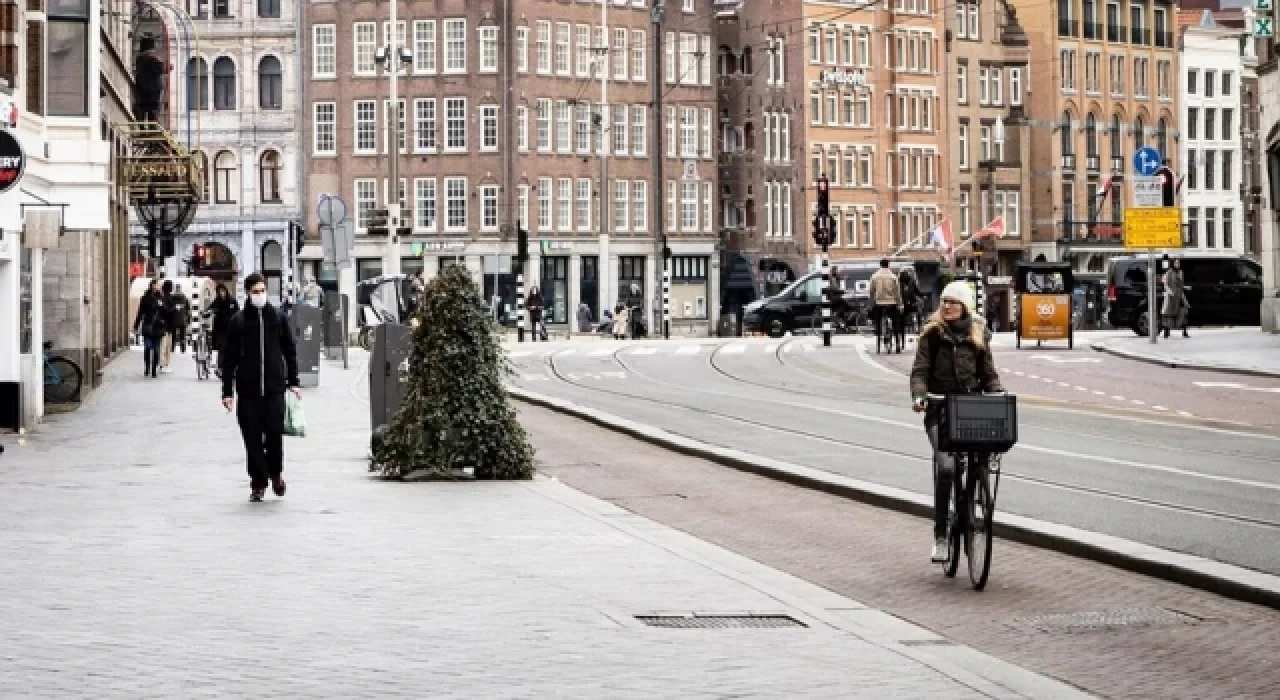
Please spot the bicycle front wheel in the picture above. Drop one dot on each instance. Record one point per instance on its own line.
(981, 515)
(62, 380)
(954, 530)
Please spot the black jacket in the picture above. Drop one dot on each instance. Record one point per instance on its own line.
(258, 357)
(223, 310)
(179, 311)
(151, 319)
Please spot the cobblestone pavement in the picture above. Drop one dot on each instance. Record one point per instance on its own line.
(1040, 609)
(134, 567)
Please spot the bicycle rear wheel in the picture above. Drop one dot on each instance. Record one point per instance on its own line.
(981, 515)
(62, 380)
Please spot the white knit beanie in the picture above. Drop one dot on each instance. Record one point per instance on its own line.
(959, 291)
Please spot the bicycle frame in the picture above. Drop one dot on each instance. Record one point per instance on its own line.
(51, 374)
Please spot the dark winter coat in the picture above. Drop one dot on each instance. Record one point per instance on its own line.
(151, 320)
(534, 307)
(179, 311)
(223, 310)
(258, 356)
(949, 364)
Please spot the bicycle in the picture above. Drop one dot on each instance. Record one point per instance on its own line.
(843, 320)
(976, 482)
(202, 352)
(884, 326)
(62, 377)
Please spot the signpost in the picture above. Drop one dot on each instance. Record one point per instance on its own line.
(1153, 227)
(1154, 221)
(1146, 191)
(1146, 161)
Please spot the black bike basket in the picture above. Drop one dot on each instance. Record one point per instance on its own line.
(982, 422)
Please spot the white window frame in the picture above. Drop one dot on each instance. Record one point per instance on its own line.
(426, 205)
(621, 203)
(364, 41)
(564, 204)
(425, 47)
(640, 208)
(639, 130)
(522, 128)
(542, 47)
(582, 205)
(426, 125)
(455, 114)
(455, 192)
(562, 55)
(488, 49)
(365, 191)
(522, 49)
(488, 128)
(619, 53)
(546, 210)
(455, 46)
(324, 51)
(489, 208)
(365, 113)
(324, 129)
(639, 51)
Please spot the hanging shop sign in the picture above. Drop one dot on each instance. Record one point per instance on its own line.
(13, 161)
(851, 78)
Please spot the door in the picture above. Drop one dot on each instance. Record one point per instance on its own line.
(1205, 279)
(1242, 293)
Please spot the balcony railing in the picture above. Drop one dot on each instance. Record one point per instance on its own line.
(1093, 163)
(1116, 33)
(1164, 40)
(1069, 162)
(1068, 27)
(1139, 36)
(1108, 233)
(1092, 30)
(1117, 165)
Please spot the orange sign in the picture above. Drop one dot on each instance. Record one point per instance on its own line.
(1045, 316)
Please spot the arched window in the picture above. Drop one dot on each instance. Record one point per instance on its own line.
(269, 176)
(1091, 135)
(1139, 133)
(1162, 137)
(1068, 143)
(1117, 150)
(197, 84)
(270, 84)
(224, 177)
(224, 84)
(269, 8)
(202, 163)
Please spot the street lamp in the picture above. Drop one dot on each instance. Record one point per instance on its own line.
(384, 57)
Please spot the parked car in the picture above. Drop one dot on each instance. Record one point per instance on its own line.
(1223, 289)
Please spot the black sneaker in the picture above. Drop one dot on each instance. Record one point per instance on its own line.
(255, 496)
(278, 486)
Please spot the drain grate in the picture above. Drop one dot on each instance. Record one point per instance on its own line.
(695, 621)
(1105, 620)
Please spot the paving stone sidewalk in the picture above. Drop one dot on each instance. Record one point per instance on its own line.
(134, 567)
(1244, 350)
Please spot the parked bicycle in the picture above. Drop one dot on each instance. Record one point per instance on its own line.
(62, 377)
(202, 352)
(984, 427)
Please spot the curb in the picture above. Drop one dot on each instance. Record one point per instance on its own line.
(1181, 364)
(1220, 578)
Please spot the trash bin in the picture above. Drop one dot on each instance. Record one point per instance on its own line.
(305, 323)
(334, 324)
(388, 371)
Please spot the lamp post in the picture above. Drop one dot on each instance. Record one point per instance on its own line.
(390, 57)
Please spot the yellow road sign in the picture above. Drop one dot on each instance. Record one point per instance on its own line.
(1157, 227)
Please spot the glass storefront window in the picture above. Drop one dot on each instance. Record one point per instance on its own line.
(631, 273)
(368, 268)
(589, 284)
(554, 285)
(689, 286)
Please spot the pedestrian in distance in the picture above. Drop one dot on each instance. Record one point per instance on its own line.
(534, 306)
(584, 317)
(150, 323)
(1173, 310)
(886, 298)
(621, 320)
(166, 341)
(259, 362)
(221, 310)
(180, 317)
(953, 356)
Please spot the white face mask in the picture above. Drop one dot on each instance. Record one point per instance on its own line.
(259, 300)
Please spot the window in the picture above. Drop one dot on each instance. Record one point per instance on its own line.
(1091, 135)
(1210, 123)
(1226, 124)
(455, 47)
(640, 205)
(964, 213)
(488, 207)
(784, 146)
(365, 34)
(1117, 151)
(638, 54)
(563, 142)
(964, 146)
(1193, 169)
(564, 204)
(1210, 169)
(424, 125)
(424, 46)
(688, 132)
(621, 199)
(1067, 64)
(224, 84)
(489, 127)
(455, 123)
(269, 9)
(639, 129)
(1116, 64)
(1227, 78)
(1193, 226)
(269, 176)
(488, 49)
(704, 61)
(815, 48)
(1228, 230)
(66, 57)
(863, 109)
(619, 54)
(582, 127)
(562, 48)
(324, 126)
(583, 55)
(583, 202)
(270, 84)
(984, 90)
(864, 168)
(366, 126)
(455, 212)
(688, 59)
(522, 49)
(829, 46)
(225, 182)
(1139, 133)
(620, 130)
(815, 107)
(366, 201)
(424, 199)
(1226, 171)
(1162, 136)
(669, 60)
(400, 124)
(962, 83)
(705, 145)
(1193, 123)
(544, 125)
(1210, 83)
(1092, 72)
(544, 47)
(688, 206)
(1140, 77)
(984, 143)
(544, 204)
(522, 128)
(1164, 80)
(197, 84)
(1064, 130)
(1210, 227)
(324, 57)
(522, 205)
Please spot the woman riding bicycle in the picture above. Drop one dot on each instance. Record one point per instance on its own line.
(953, 356)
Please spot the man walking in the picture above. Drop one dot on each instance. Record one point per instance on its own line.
(886, 295)
(259, 361)
(166, 341)
(181, 311)
(1173, 311)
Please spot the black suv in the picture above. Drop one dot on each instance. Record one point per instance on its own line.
(795, 307)
(1222, 289)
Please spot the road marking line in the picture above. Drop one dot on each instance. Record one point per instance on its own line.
(1063, 384)
(519, 353)
(1080, 388)
(1021, 374)
(1185, 414)
(734, 350)
(1117, 398)
(772, 347)
(536, 377)
(601, 351)
(688, 350)
(1033, 376)
(1138, 402)
(646, 350)
(1159, 408)
(568, 351)
(866, 357)
(1099, 393)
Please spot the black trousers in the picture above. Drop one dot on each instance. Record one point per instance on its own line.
(944, 474)
(180, 338)
(262, 427)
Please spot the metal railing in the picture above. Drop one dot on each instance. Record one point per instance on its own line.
(1140, 36)
(1092, 30)
(1116, 33)
(1164, 40)
(1068, 27)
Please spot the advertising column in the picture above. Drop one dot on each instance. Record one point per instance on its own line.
(19, 278)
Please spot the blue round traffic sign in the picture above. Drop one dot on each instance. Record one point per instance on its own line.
(1146, 161)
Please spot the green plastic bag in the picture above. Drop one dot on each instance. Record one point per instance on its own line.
(295, 421)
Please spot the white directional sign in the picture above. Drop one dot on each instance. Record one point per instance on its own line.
(1147, 191)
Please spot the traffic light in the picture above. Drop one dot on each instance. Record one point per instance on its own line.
(197, 255)
(378, 222)
(522, 243)
(1168, 188)
(167, 248)
(821, 231)
(824, 196)
(299, 241)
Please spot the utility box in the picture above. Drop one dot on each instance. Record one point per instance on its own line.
(305, 322)
(334, 306)
(388, 372)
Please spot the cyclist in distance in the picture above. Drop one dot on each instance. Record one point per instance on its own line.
(953, 356)
(886, 299)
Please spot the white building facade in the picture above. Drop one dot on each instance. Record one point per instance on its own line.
(232, 102)
(1210, 144)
